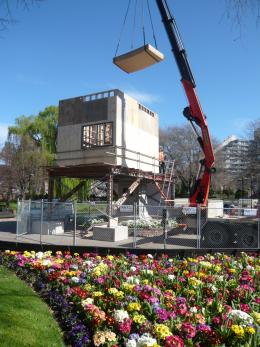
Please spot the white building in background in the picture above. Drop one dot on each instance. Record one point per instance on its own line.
(234, 154)
(107, 128)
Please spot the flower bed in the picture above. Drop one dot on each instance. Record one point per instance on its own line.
(142, 301)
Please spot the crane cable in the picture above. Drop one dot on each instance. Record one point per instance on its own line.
(134, 25)
(143, 28)
(151, 20)
(123, 26)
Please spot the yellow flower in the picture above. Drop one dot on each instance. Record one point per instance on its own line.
(145, 281)
(97, 294)
(256, 316)
(191, 292)
(233, 271)
(201, 275)
(139, 318)
(162, 331)
(206, 264)
(112, 291)
(110, 257)
(250, 330)
(119, 295)
(128, 287)
(88, 287)
(194, 281)
(134, 306)
(217, 268)
(220, 307)
(238, 330)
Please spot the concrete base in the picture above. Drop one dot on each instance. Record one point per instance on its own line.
(48, 228)
(117, 233)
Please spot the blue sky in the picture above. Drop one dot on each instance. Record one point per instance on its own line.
(60, 49)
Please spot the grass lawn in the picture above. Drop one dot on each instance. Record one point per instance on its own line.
(25, 320)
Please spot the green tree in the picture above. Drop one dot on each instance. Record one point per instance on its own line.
(42, 131)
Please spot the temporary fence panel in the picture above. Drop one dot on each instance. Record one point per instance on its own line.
(137, 226)
(22, 218)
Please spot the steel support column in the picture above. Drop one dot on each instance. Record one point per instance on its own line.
(109, 195)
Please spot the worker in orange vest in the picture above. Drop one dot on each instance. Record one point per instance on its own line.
(161, 161)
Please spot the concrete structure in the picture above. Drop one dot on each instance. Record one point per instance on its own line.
(107, 128)
(112, 234)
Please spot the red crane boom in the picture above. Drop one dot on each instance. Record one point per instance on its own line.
(193, 112)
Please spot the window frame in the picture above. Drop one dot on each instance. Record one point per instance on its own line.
(85, 145)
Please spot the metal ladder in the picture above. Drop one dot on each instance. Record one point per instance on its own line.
(169, 170)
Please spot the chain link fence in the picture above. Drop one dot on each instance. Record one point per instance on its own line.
(137, 226)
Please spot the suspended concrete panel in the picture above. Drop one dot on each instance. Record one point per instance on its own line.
(138, 59)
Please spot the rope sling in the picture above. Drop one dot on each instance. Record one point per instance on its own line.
(144, 56)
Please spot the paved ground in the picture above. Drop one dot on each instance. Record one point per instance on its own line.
(156, 241)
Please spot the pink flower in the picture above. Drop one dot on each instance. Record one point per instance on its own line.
(216, 320)
(257, 300)
(182, 309)
(245, 308)
(125, 327)
(188, 330)
(173, 341)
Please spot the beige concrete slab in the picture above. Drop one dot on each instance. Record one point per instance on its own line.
(138, 59)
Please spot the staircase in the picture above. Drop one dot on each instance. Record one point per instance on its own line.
(129, 191)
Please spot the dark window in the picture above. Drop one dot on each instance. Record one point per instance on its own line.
(96, 135)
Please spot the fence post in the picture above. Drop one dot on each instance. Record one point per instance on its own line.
(258, 245)
(75, 223)
(134, 238)
(30, 217)
(41, 222)
(17, 217)
(198, 226)
(165, 217)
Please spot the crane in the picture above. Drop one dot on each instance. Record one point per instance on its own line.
(193, 112)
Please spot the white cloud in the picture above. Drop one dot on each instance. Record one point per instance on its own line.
(3, 133)
(143, 97)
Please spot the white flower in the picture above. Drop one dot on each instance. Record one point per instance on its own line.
(241, 316)
(149, 256)
(147, 271)
(171, 277)
(39, 255)
(193, 309)
(87, 301)
(120, 315)
(250, 268)
(146, 340)
(131, 343)
(74, 267)
(133, 279)
(75, 279)
(89, 263)
(133, 268)
(212, 287)
(46, 262)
